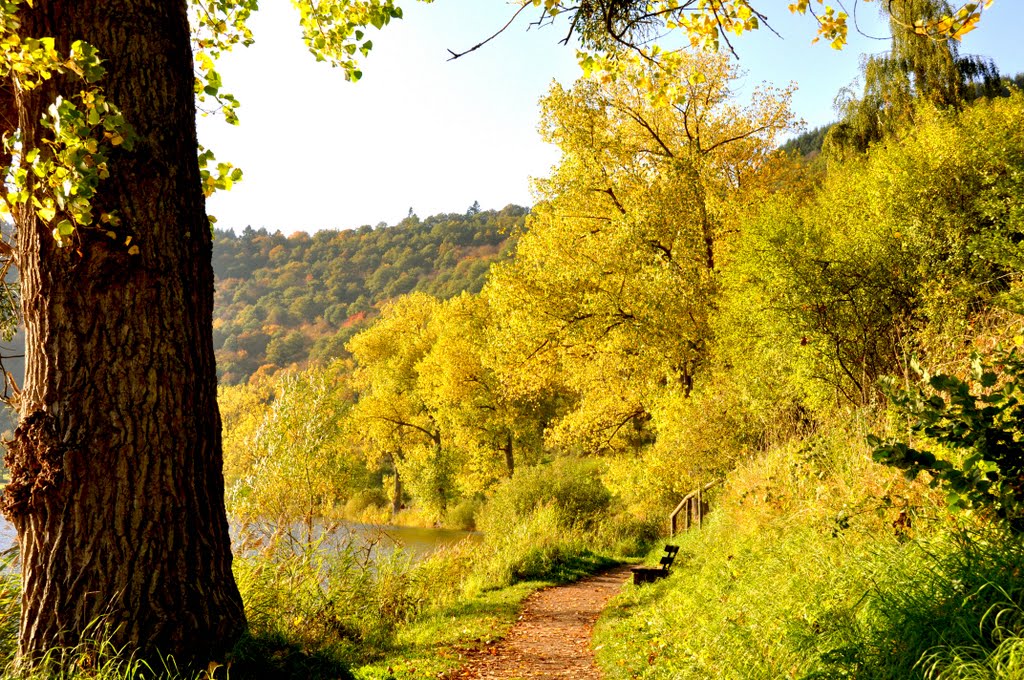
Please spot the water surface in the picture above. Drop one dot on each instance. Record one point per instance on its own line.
(375, 539)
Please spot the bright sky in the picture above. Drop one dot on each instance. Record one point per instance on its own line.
(433, 135)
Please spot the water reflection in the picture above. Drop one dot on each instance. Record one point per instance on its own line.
(375, 539)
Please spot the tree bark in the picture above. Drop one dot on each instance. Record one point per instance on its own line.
(396, 501)
(117, 490)
(510, 461)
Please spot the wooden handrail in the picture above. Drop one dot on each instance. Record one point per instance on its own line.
(694, 505)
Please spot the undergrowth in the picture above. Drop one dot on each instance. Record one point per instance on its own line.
(330, 609)
(820, 564)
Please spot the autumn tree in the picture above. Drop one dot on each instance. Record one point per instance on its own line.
(490, 428)
(615, 281)
(295, 467)
(392, 413)
(916, 69)
(893, 254)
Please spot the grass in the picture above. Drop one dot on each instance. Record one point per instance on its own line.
(436, 643)
(326, 611)
(318, 613)
(818, 564)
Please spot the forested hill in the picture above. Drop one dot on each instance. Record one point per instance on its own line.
(282, 300)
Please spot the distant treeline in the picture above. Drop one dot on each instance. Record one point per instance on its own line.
(282, 300)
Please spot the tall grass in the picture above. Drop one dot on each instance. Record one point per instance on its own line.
(10, 606)
(817, 563)
(317, 609)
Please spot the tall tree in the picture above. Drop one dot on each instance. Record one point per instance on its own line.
(392, 409)
(615, 281)
(116, 486)
(917, 69)
(490, 428)
(296, 468)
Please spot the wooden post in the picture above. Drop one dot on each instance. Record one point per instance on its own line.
(674, 517)
(700, 507)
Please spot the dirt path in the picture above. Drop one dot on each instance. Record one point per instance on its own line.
(552, 637)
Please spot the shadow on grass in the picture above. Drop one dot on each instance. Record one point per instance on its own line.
(580, 566)
(273, 657)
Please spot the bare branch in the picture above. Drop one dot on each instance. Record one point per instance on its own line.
(456, 55)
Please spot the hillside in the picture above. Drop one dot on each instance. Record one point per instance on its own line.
(282, 300)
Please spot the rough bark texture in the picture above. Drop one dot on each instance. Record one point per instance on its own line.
(117, 490)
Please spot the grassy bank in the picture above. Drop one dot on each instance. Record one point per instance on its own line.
(315, 613)
(818, 563)
(335, 610)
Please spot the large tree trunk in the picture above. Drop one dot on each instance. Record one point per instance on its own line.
(117, 491)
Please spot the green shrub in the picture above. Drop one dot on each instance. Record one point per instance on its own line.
(981, 419)
(571, 489)
(440, 578)
(324, 598)
(358, 503)
(538, 548)
(463, 515)
(627, 535)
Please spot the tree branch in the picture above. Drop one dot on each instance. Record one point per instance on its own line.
(456, 55)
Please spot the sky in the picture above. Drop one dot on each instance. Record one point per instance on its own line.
(424, 133)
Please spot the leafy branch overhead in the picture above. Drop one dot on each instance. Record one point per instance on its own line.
(980, 420)
(606, 27)
(67, 168)
(58, 179)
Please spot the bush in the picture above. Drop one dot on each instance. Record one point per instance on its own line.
(570, 489)
(440, 578)
(627, 535)
(326, 598)
(982, 419)
(463, 515)
(538, 548)
(364, 499)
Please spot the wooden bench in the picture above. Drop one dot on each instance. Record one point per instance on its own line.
(651, 574)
